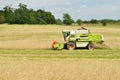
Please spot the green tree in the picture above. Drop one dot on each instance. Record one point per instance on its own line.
(79, 22)
(58, 21)
(2, 19)
(67, 19)
(93, 21)
(103, 22)
(33, 20)
(49, 18)
(45, 17)
(21, 14)
(39, 16)
(9, 14)
(32, 17)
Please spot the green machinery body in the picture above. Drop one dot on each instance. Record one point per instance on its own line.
(78, 39)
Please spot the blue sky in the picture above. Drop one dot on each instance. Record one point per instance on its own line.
(78, 9)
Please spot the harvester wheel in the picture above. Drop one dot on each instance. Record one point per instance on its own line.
(71, 46)
(90, 46)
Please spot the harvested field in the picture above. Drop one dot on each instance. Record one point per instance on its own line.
(26, 54)
(41, 36)
(60, 70)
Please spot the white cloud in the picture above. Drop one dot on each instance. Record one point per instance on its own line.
(68, 3)
(83, 6)
(109, 11)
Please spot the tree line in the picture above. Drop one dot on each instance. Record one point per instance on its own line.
(23, 15)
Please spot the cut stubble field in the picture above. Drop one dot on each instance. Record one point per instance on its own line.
(26, 54)
(82, 69)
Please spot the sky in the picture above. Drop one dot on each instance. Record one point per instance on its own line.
(78, 9)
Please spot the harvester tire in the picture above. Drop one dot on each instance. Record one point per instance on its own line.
(90, 46)
(71, 46)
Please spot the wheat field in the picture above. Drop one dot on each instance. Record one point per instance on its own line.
(42, 36)
(83, 69)
(25, 54)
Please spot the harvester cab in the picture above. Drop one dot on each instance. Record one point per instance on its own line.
(66, 34)
(71, 33)
(78, 39)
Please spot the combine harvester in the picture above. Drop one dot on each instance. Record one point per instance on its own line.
(80, 38)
